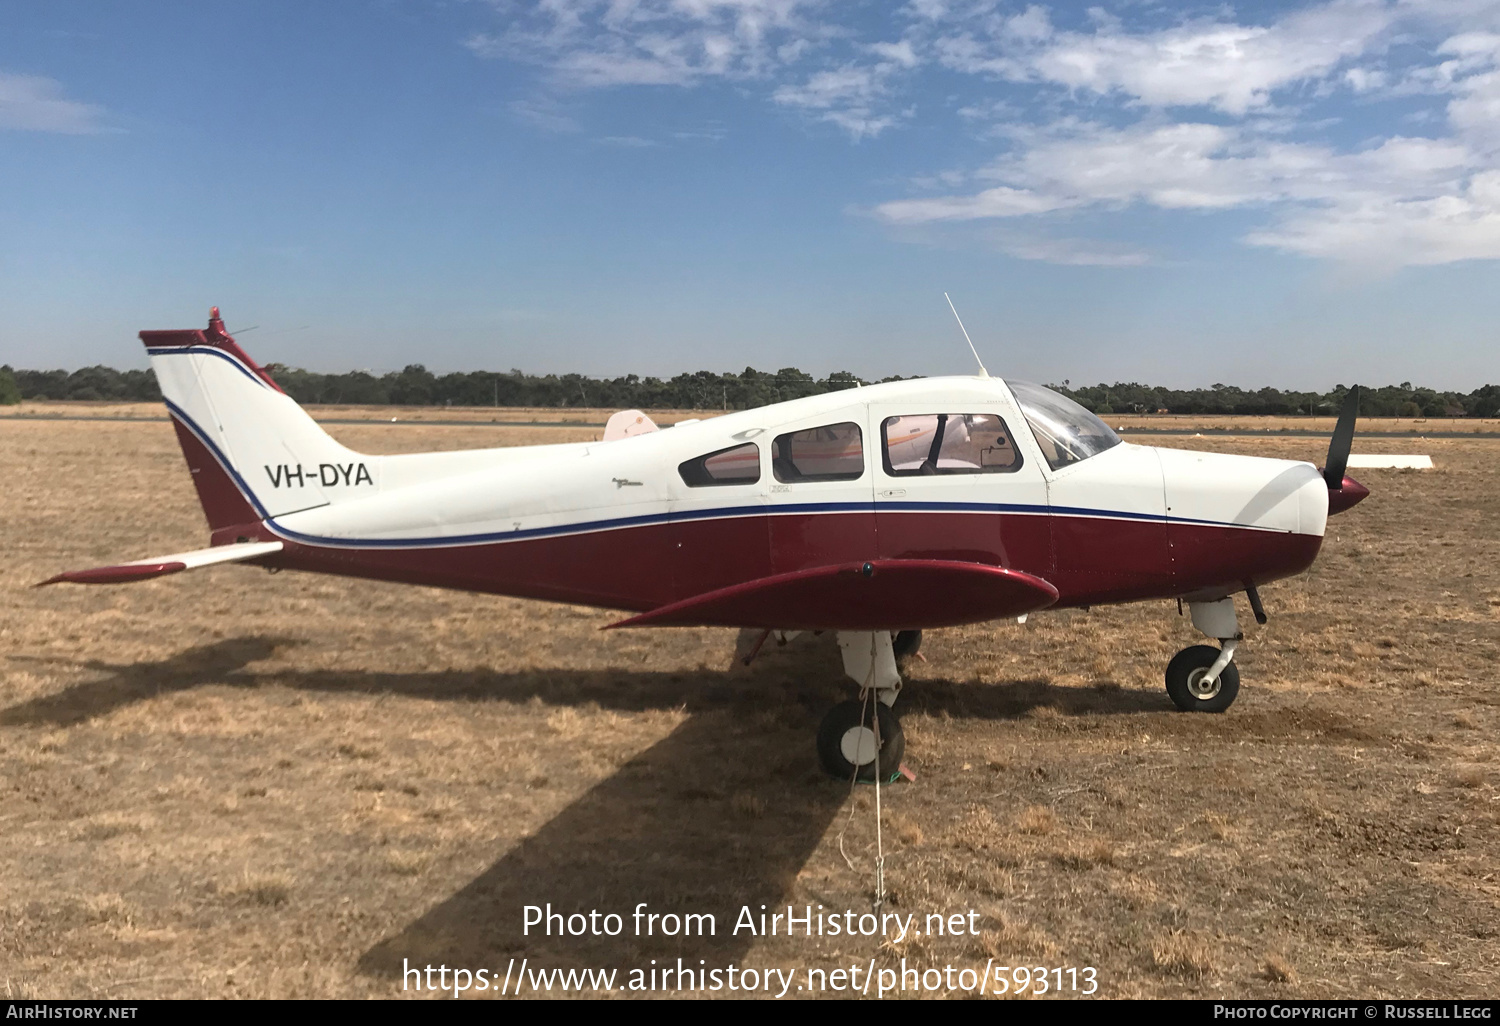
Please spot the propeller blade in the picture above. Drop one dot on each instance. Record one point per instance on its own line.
(1343, 440)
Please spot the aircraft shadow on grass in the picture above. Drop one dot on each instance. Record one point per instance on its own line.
(724, 811)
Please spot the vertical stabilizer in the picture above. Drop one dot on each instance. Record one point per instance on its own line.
(254, 453)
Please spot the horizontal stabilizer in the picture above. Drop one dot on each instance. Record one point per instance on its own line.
(887, 594)
(160, 566)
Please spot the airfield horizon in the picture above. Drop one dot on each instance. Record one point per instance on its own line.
(595, 417)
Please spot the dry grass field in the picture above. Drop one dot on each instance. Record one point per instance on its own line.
(230, 783)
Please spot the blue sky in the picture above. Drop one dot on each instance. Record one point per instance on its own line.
(1288, 194)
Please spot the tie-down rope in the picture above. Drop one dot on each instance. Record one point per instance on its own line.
(869, 699)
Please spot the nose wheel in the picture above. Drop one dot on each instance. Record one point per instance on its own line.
(1191, 685)
(1202, 678)
(847, 741)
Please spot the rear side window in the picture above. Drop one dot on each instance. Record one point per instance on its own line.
(739, 464)
(835, 452)
(948, 443)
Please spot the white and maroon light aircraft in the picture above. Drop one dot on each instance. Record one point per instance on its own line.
(874, 512)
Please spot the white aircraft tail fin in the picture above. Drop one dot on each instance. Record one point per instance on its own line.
(254, 453)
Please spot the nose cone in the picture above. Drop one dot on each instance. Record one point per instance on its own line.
(1349, 493)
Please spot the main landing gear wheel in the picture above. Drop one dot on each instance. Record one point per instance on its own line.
(846, 739)
(906, 643)
(1185, 681)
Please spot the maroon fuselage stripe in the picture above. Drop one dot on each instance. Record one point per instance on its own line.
(641, 568)
(1090, 560)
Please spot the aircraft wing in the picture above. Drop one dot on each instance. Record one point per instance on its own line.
(158, 566)
(886, 594)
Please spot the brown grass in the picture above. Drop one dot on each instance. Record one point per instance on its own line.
(232, 783)
(1278, 970)
(1015, 937)
(1036, 819)
(1181, 954)
(255, 888)
(1199, 423)
(907, 831)
(1470, 776)
(1086, 854)
(408, 863)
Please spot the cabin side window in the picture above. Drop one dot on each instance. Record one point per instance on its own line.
(948, 443)
(739, 464)
(834, 452)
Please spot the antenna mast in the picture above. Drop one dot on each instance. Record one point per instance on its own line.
(982, 372)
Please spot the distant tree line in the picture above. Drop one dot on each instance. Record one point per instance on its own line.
(705, 390)
(84, 383)
(1403, 400)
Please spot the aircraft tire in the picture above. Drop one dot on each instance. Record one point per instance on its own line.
(1187, 668)
(906, 643)
(850, 724)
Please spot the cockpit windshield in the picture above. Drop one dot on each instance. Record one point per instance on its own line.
(1066, 431)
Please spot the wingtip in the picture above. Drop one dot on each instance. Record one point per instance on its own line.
(125, 573)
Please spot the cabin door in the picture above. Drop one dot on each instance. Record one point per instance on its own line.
(821, 500)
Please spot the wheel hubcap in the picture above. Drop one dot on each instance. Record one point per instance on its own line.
(1201, 689)
(858, 745)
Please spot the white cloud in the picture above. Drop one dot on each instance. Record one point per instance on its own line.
(849, 84)
(860, 124)
(1225, 65)
(600, 43)
(1391, 201)
(1473, 79)
(1391, 231)
(1101, 110)
(1074, 252)
(845, 96)
(37, 104)
(1364, 80)
(1001, 201)
(544, 113)
(897, 53)
(1407, 200)
(596, 44)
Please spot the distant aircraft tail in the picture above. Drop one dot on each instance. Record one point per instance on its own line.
(253, 452)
